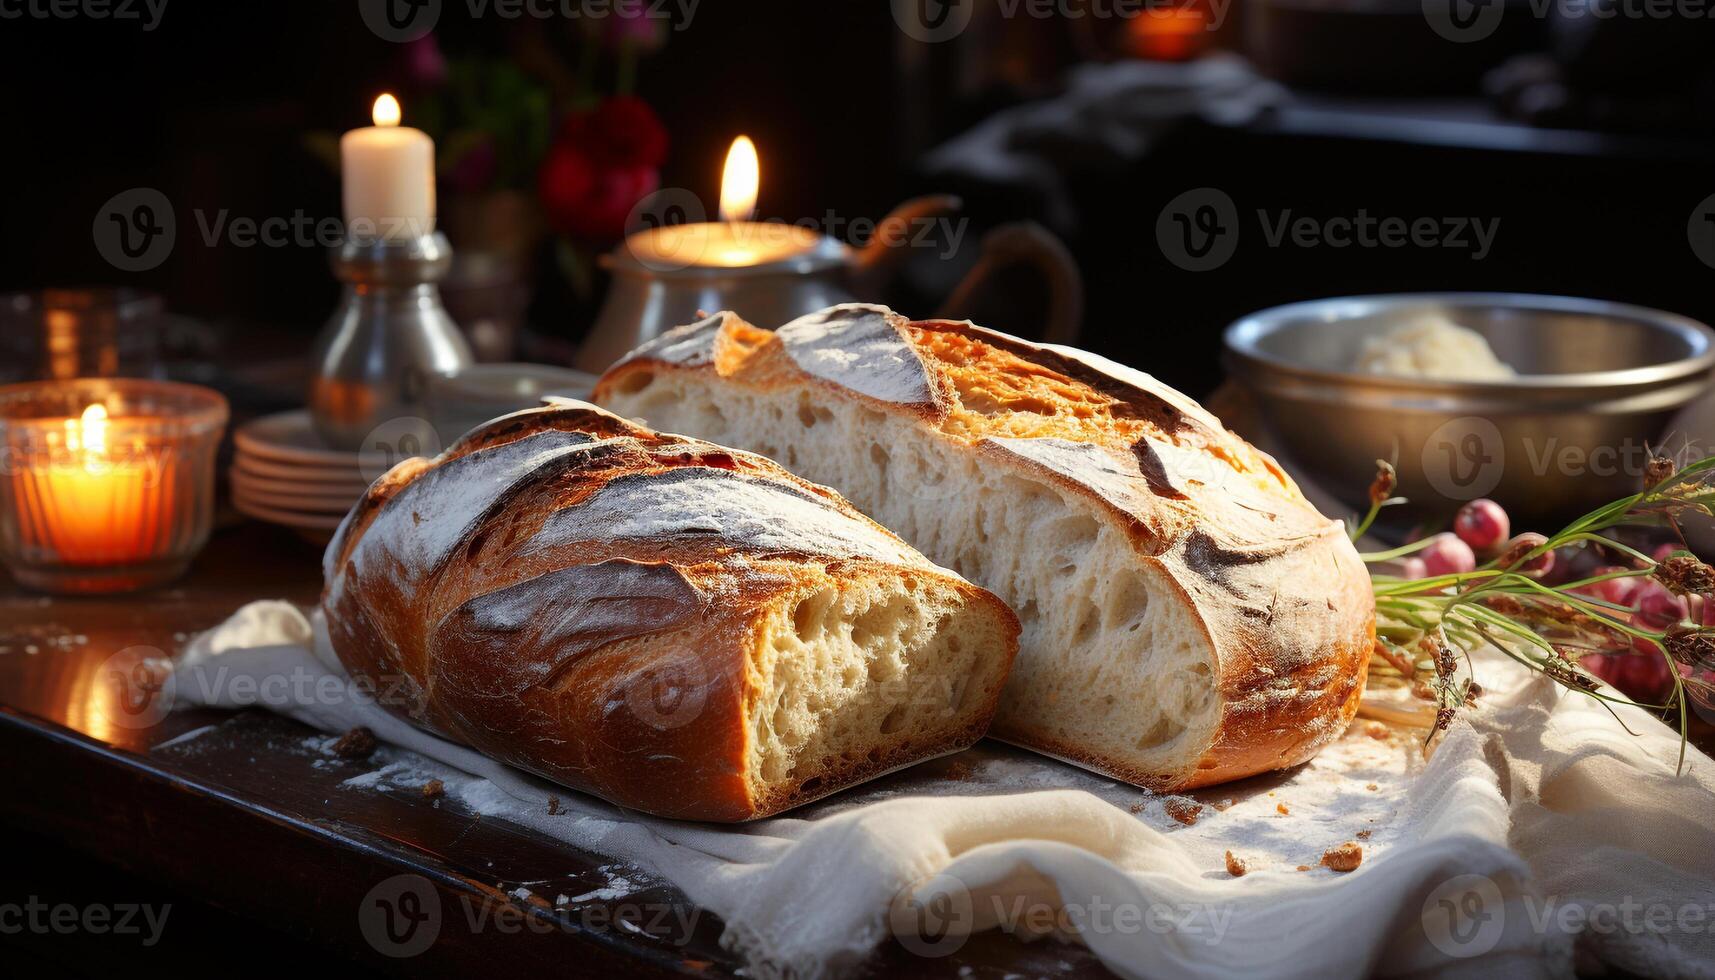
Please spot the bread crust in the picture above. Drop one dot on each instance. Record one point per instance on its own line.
(507, 596)
(1276, 588)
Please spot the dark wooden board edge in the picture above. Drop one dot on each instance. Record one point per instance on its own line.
(264, 864)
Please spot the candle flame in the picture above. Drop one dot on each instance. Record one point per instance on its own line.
(94, 426)
(87, 435)
(386, 112)
(740, 181)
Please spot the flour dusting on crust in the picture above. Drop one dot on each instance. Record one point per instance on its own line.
(1120, 484)
(857, 345)
(751, 513)
(428, 518)
(691, 345)
(1145, 384)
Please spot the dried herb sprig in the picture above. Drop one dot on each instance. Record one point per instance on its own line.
(1425, 627)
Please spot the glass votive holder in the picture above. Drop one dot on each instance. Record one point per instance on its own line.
(106, 484)
(98, 332)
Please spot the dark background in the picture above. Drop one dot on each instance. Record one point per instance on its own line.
(1594, 175)
(212, 107)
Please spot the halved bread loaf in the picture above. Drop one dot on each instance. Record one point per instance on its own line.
(675, 627)
(1188, 617)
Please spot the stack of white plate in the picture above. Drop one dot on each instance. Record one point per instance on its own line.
(283, 474)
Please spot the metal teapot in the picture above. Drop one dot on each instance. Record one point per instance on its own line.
(647, 298)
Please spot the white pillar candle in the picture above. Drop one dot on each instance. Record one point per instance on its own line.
(388, 172)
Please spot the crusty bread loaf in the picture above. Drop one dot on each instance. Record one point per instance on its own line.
(678, 628)
(1188, 617)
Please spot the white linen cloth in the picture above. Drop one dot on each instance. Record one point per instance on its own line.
(1537, 832)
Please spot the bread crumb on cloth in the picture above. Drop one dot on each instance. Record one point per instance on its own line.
(1283, 809)
(1236, 866)
(1183, 810)
(1343, 857)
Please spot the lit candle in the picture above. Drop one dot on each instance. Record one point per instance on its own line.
(114, 495)
(388, 172)
(1179, 33)
(741, 181)
(96, 502)
(733, 242)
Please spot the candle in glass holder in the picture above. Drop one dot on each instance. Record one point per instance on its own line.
(105, 485)
(96, 504)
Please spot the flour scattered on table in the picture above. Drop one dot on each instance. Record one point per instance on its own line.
(189, 736)
(393, 775)
(319, 744)
(618, 885)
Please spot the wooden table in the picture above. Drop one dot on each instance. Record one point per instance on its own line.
(250, 818)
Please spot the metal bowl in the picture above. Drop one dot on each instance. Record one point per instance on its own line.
(1598, 383)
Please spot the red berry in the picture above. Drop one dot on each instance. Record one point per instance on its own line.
(1622, 591)
(1523, 545)
(1619, 591)
(1644, 675)
(1482, 524)
(1658, 608)
(1541, 565)
(1640, 674)
(1447, 555)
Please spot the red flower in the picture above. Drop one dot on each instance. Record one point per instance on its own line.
(425, 66)
(602, 162)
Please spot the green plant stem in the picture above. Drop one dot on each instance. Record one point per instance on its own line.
(1419, 620)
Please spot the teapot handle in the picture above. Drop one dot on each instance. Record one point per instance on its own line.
(1029, 243)
(877, 263)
